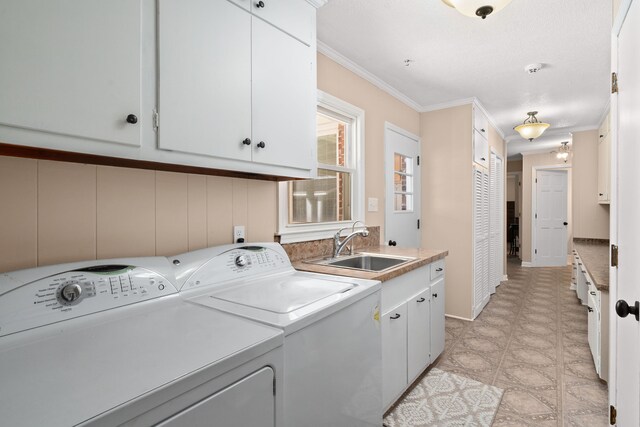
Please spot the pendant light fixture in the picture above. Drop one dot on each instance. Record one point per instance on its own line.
(531, 128)
(563, 151)
(474, 8)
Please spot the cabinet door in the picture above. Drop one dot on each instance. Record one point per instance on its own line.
(394, 353)
(437, 319)
(204, 78)
(295, 17)
(604, 168)
(480, 122)
(480, 149)
(594, 332)
(283, 98)
(72, 68)
(418, 333)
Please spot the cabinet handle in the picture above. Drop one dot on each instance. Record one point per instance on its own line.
(435, 295)
(600, 194)
(590, 309)
(439, 269)
(132, 119)
(392, 243)
(592, 293)
(260, 4)
(261, 144)
(483, 159)
(246, 141)
(421, 300)
(397, 316)
(482, 130)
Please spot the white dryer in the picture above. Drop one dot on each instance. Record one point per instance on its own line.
(332, 344)
(111, 343)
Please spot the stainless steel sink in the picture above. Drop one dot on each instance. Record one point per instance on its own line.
(367, 262)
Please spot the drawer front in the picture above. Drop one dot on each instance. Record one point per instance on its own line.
(437, 269)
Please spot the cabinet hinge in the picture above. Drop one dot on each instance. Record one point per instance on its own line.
(536, 216)
(614, 255)
(612, 415)
(418, 159)
(418, 224)
(536, 252)
(614, 82)
(156, 120)
(536, 180)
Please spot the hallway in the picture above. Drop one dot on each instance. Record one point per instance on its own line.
(531, 341)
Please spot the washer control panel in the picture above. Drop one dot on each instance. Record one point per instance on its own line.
(76, 293)
(238, 263)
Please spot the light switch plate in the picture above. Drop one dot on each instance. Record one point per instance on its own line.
(372, 204)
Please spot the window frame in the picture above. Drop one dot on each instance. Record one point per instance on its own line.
(291, 233)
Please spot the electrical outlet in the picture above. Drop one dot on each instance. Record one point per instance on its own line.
(238, 233)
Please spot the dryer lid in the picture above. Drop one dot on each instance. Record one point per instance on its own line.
(282, 295)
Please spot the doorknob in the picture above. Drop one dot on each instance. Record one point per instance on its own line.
(392, 242)
(565, 223)
(623, 309)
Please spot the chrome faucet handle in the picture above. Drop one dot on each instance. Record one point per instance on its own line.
(353, 226)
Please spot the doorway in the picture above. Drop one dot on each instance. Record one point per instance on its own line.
(550, 218)
(402, 181)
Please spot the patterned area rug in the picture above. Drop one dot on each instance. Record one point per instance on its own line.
(446, 400)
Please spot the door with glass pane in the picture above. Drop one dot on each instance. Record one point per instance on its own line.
(402, 181)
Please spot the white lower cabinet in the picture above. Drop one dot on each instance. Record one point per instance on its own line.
(419, 329)
(412, 327)
(394, 352)
(437, 319)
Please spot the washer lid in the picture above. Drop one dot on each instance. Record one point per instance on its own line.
(282, 295)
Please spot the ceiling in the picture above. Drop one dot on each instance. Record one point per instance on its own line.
(455, 58)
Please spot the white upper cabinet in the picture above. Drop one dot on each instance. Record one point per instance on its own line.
(480, 137)
(604, 163)
(283, 95)
(234, 86)
(71, 68)
(205, 78)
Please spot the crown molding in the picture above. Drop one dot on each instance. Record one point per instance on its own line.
(448, 104)
(317, 3)
(371, 78)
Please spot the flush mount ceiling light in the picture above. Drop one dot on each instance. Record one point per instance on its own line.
(563, 151)
(473, 8)
(531, 128)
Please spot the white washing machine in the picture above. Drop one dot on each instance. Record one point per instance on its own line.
(111, 343)
(332, 344)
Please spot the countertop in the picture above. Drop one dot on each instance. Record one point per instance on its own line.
(422, 257)
(594, 254)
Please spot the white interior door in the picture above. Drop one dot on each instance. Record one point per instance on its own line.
(550, 219)
(402, 181)
(625, 332)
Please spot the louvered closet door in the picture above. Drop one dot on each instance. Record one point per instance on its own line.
(480, 240)
(496, 245)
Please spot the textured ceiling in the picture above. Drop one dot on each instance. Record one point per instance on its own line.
(455, 57)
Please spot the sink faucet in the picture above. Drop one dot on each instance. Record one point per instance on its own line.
(338, 245)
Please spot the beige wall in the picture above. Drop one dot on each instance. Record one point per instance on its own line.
(590, 219)
(379, 107)
(529, 162)
(447, 199)
(54, 212)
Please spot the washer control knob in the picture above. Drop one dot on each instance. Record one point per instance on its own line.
(70, 293)
(241, 260)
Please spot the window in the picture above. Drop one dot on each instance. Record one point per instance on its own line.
(402, 183)
(316, 208)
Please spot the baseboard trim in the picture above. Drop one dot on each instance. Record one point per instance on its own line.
(458, 317)
(505, 278)
(527, 264)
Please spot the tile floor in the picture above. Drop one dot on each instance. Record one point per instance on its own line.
(531, 341)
